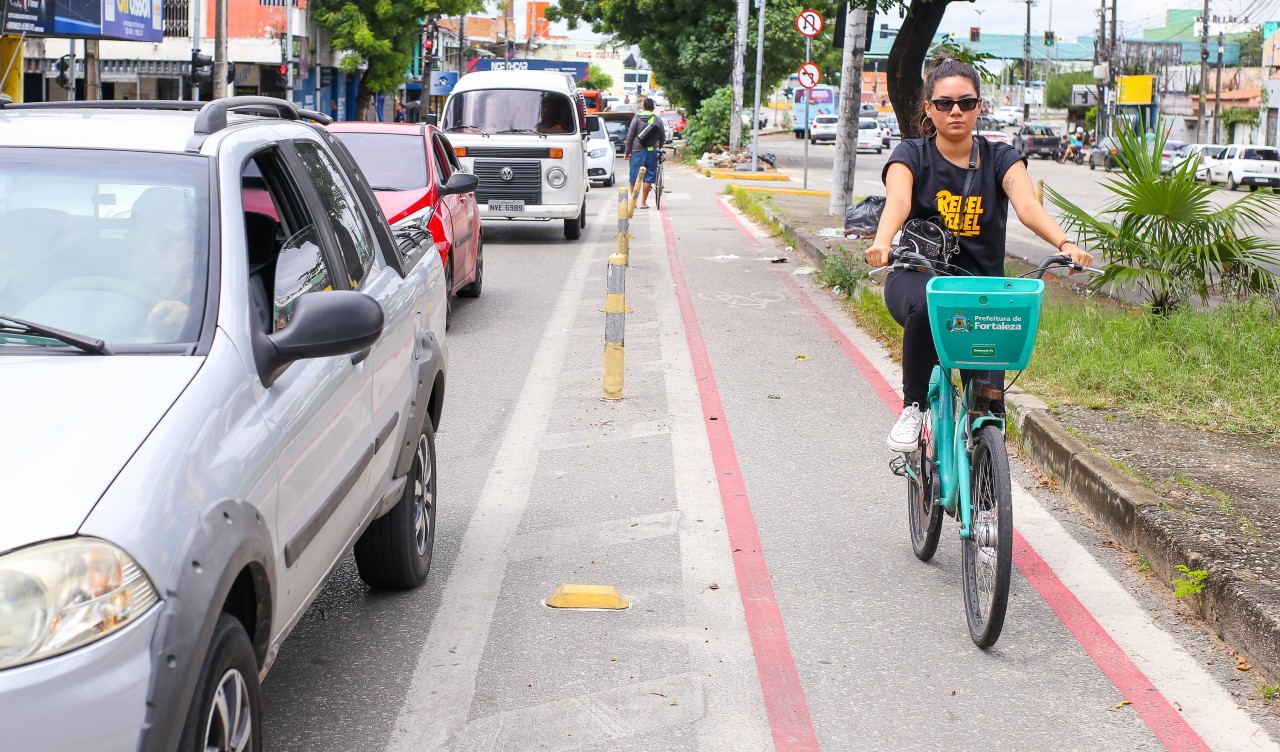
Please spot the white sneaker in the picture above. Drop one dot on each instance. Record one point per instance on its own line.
(905, 434)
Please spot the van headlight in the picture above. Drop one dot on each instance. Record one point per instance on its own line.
(61, 595)
(597, 153)
(556, 177)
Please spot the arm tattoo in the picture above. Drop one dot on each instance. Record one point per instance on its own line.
(1008, 184)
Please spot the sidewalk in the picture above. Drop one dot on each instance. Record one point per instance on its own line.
(1168, 494)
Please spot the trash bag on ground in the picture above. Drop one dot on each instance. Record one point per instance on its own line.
(861, 219)
(769, 158)
(746, 167)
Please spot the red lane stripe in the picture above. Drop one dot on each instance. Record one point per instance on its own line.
(1168, 725)
(724, 207)
(1165, 722)
(779, 681)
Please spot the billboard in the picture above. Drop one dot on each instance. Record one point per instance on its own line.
(1134, 89)
(128, 20)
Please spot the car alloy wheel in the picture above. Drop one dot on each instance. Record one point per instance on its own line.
(229, 724)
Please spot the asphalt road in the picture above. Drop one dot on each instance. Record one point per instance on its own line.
(1084, 187)
(740, 497)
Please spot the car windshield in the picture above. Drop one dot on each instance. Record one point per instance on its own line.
(112, 245)
(390, 161)
(510, 111)
(1039, 130)
(867, 125)
(617, 127)
(1267, 155)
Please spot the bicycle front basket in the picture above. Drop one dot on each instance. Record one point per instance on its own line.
(985, 323)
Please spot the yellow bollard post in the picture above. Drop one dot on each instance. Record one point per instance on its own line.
(1040, 191)
(615, 311)
(635, 191)
(624, 228)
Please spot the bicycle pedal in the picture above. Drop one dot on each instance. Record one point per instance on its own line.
(898, 466)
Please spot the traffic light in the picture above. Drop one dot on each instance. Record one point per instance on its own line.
(975, 34)
(65, 72)
(282, 76)
(1048, 39)
(201, 69)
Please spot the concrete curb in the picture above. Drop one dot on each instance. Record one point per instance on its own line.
(1236, 604)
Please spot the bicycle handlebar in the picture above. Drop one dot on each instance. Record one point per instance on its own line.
(903, 258)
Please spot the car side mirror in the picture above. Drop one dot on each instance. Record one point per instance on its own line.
(321, 324)
(460, 182)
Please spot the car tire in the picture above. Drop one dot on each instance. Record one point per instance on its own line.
(572, 229)
(1231, 182)
(226, 711)
(473, 289)
(1092, 164)
(582, 216)
(448, 292)
(394, 553)
(608, 183)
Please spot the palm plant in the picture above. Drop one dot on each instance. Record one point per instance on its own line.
(1163, 236)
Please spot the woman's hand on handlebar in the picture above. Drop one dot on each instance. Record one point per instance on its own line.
(1077, 254)
(878, 255)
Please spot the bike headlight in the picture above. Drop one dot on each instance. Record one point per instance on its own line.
(58, 596)
(597, 153)
(556, 177)
(419, 218)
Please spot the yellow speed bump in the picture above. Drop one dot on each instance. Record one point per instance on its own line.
(604, 597)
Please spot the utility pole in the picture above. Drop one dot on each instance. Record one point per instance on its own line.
(1113, 55)
(92, 76)
(1204, 70)
(739, 61)
(1099, 58)
(1217, 91)
(71, 92)
(1026, 70)
(855, 35)
(755, 110)
(194, 22)
(220, 48)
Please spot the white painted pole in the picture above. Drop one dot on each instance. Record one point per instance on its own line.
(755, 111)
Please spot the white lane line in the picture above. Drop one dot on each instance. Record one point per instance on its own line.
(602, 434)
(577, 539)
(1207, 707)
(589, 720)
(1178, 675)
(735, 715)
(444, 681)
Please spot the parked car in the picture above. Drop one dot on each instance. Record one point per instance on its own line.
(823, 128)
(521, 133)
(1038, 139)
(760, 122)
(1008, 115)
(616, 125)
(868, 134)
(892, 122)
(245, 397)
(1169, 155)
(988, 123)
(886, 134)
(1105, 154)
(1204, 155)
(418, 181)
(1247, 164)
(600, 153)
(675, 124)
(996, 137)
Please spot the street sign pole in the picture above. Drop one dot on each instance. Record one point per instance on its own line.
(755, 111)
(808, 102)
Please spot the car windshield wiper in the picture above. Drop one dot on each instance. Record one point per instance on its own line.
(11, 325)
(521, 130)
(464, 126)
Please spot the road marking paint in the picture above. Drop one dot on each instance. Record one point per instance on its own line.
(589, 720)
(753, 233)
(783, 693)
(1112, 628)
(602, 434)
(444, 681)
(578, 539)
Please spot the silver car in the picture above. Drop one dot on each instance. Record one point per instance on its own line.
(220, 372)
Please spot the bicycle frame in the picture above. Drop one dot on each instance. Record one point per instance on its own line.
(952, 442)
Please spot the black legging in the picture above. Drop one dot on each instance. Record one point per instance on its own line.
(904, 295)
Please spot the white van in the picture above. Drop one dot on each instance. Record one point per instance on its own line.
(523, 134)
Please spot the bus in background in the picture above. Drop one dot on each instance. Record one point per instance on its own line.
(820, 100)
(636, 83)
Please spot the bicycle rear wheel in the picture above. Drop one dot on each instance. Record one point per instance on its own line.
(987, 556)
(657, 187)
(924, 513)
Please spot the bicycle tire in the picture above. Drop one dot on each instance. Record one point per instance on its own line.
(924, 513)
(657, 187)
(986, 568)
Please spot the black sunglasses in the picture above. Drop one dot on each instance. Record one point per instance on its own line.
(968, 104)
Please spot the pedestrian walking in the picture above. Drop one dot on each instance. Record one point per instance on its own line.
(645, 136)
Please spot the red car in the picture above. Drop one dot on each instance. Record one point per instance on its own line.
(416, 178)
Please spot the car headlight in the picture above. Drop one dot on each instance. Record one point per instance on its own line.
(597, 153)
(556, 177)
(58, 596)
(419, 218)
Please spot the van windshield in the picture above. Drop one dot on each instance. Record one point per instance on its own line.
(509, 111)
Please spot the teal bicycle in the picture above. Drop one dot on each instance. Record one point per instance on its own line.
(960, 466)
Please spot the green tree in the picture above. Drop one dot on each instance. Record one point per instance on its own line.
(597, 79)
(381, 37)
(1250, 48)
(1057, 92)
(1163, 235)
(708, 128)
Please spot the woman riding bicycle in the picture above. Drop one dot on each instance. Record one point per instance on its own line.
(926, 177)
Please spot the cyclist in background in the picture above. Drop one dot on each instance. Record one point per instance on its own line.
(640, 155)
(926, 177)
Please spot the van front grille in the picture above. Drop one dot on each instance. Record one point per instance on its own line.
(525, 183)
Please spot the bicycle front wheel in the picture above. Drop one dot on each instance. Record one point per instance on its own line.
(657, 188)
(987, 556)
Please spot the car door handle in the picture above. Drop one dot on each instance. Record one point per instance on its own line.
(357, 357)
